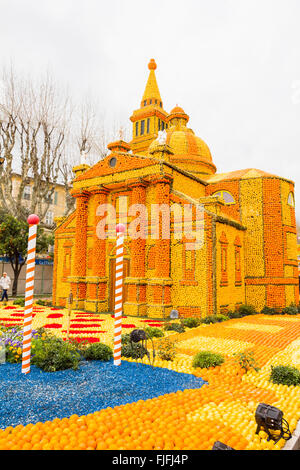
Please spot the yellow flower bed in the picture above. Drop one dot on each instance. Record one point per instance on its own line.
(219, 345)
(252, 326)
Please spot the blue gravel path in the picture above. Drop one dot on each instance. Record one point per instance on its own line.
(42, 396)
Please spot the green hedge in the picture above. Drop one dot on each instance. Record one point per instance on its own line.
(206, 359)
(98, 352)
(53, 354)
(191, 322)
(285, 375)
(214, 319)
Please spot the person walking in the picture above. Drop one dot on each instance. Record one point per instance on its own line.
(5, 284)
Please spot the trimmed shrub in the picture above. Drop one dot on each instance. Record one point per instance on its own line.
(245, 310)
(44, 302)
(133, 350)
(291, 310)
(191, 322)
(178, 327)
(98, 352)
(214, 319)
(54, 354)
(20, 301)
(233, 314)
(285, 375)
(166, 350)
(269, 311)
(206, 359)
(153, 332)
(125, 338)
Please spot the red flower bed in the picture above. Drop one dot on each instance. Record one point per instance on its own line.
(55, 315)
(90, 340)
(10, 307)
(10, 319)
(21, 315)
(53, 325)
(153, 321)
(75, 325)
(87, 319)
(112, 316)
(8, 325)
(157, 325)
(75, 332)
(128, 326)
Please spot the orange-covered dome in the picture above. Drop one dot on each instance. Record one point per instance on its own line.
(190, 152)
(178, 113)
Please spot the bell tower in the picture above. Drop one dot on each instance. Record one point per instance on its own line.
(150, 117)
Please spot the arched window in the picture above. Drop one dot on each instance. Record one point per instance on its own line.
(291, 200)
(226, 196)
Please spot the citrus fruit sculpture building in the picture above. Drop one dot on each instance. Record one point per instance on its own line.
(248, 253)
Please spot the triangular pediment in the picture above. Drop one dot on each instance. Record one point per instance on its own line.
(67, 224)
(116, 163)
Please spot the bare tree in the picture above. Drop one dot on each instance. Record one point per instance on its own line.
(42, 137)
(33, 123)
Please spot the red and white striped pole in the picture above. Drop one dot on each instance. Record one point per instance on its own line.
(33, 221)
(118, 295)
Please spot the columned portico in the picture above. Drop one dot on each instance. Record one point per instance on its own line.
(137, 284)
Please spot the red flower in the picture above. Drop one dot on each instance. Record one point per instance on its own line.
(10, 307)
(128, 326)
(55, 315)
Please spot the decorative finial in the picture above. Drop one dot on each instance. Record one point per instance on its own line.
(152, 65)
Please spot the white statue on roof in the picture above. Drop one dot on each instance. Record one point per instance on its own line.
(162, 137)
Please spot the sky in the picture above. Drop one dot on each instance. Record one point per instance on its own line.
(233, 65)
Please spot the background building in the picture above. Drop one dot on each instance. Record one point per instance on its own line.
(44, 268)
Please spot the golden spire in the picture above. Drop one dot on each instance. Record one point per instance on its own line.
(151, 93)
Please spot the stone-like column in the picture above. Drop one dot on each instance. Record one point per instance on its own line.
(161, 284)
(79, 263)
(136, 301)
(97, 284)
